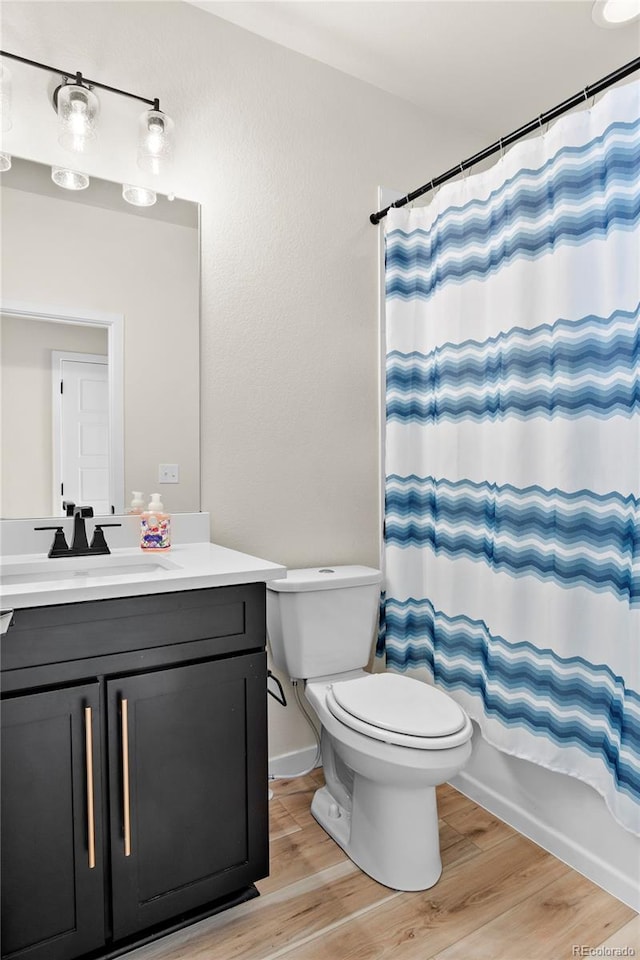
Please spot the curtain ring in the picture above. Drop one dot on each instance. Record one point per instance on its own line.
(586, 93)
(501, 149)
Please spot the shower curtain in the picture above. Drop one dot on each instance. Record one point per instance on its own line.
(512, 450)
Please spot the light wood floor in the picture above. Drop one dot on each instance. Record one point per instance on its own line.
(500, 897)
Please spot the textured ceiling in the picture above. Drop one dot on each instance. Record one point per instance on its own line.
(487, 64)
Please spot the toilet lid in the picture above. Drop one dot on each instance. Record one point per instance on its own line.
(400, 704)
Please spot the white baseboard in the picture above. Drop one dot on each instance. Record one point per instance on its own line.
(291, 764)
(575, 855)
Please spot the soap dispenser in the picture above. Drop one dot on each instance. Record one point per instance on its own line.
(155, 526)
(137, 503)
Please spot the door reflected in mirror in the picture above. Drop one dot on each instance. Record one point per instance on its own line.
(88, 278)
(81, 442)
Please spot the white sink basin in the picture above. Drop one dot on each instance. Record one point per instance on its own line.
(82, 568)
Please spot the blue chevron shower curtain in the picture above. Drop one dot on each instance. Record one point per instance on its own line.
(512, 516)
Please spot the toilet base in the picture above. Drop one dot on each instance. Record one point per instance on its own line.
(334, 819)
(402, 852)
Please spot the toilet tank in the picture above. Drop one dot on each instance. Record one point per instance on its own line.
(321, 620)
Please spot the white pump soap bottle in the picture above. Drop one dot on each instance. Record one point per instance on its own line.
(137, 503)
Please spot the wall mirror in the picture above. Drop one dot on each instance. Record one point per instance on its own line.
(99, 347)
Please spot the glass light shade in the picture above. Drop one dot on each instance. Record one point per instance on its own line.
(138, 196)
(155, 141)
(78, 109)
(5, 99)
(615, 13)
(5, 162)
(69, 179)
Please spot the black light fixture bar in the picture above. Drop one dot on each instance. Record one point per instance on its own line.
(79, 78)
(591, 91)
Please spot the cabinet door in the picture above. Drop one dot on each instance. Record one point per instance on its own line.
(188, 787)
(52, 863)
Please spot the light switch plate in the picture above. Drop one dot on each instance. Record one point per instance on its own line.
(168, 473)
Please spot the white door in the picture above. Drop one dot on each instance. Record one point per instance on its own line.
(83, 433)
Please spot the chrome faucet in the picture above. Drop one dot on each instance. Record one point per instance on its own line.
(79, 545)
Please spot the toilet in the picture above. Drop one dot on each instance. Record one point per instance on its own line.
(387, 739)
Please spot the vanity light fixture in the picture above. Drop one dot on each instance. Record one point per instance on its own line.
(138, 196)
(615, 13)
(69, 179)
(77, 107)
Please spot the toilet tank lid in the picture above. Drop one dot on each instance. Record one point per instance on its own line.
(325, 578)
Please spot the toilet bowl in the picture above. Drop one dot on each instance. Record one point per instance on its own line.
(387, 740)
(379, 801)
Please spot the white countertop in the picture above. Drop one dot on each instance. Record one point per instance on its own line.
(191, 566)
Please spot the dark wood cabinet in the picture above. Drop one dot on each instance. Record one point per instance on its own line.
(187, 786)
(52, 880)
(134, 793)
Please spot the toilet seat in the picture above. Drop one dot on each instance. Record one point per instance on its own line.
(399, 710)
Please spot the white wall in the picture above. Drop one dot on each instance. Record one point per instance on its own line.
(285, 156)
(62, 254)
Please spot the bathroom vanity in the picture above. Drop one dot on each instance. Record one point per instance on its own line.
(134, 761)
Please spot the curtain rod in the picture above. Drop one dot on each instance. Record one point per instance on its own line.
(546, 117)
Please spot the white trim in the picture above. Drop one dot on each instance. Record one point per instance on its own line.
(385, 197)
(39, 311)
(290, 764)
(114, 322)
